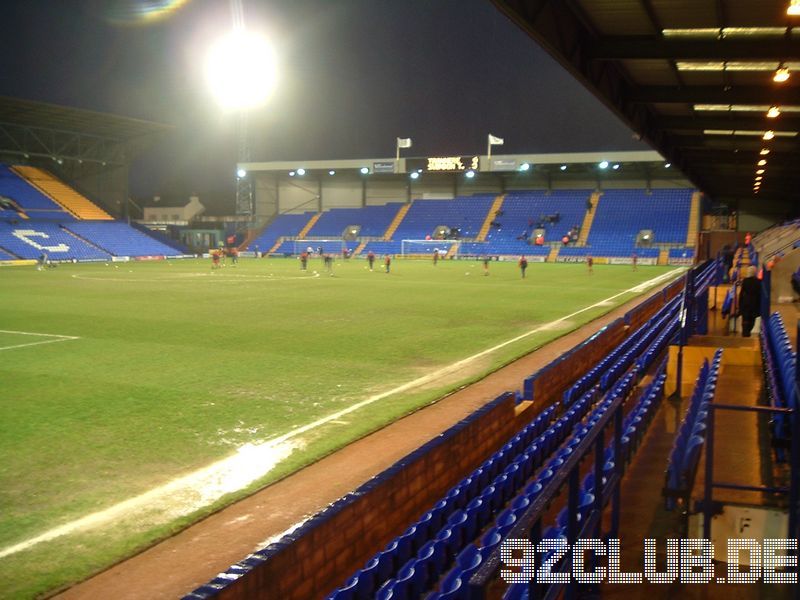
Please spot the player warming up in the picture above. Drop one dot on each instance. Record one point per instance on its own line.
(589, 264)
(523, 264)
(371, 259)
(387, 263)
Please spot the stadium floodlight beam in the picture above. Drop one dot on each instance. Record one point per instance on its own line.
(469, 174)
(667, 165)
(301, 171)
(525, 167)
(241, 70)
(331, 172)
(563, 167)
(241, 173)
(603, 164)
(364, 170)
(291, 173)
(615, 167)
(414, 175)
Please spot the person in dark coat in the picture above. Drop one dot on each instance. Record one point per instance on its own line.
(749, 301)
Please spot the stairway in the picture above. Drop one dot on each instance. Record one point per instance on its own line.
(491, 216)
(553, 253)
(59, 192)
(453, 250)
(359, 249)
(663, 256)
(588, 219)
(398, 218)
(311, 222)
(276, 245)
(694, 221)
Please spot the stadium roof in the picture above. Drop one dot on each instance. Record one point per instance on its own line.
(694, 78)
(41, 129)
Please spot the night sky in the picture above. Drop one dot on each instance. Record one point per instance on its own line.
(353, 75)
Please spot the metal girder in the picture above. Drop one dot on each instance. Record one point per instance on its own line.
(712, 94)
(657, 47)
(26, 140)
(739, 122)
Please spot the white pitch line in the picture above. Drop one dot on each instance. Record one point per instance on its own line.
(59, 338)
(118, 510)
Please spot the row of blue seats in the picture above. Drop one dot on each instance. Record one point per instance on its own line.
(615, 356)
(779, 367)
(453, 541)
(416, 570)
(634, 426)
(685, 454)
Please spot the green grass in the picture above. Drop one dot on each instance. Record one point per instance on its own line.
(175, 367)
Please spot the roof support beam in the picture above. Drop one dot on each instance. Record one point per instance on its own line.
(656, 47)
(715, 95)
(739, 121)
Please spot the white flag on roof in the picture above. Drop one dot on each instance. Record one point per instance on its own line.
(404, 142)
(495, 141)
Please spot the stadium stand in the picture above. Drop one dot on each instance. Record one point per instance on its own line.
(285, 225)
(70, 200)
(779, 371)
(622, 214)
(503, 225)
(33, 202)
(163, 238)
(119, 239)
(373, 220)
(30, 240)
(465, 213)
(6, 256)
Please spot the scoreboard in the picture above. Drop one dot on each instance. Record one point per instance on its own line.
(443, 164)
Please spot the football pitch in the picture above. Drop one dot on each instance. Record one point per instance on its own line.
(138, 397)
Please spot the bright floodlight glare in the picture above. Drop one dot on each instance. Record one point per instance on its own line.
(524, 167)
(331, 172)
(615, 167)
(241, 70)
(781, 75)
(414, 175)
(794, 8)
(301, 171)
(470, 174)
(241, 173)
(604, 164)
(768, 135)
(563, 167)
(667, 165)
(773, 112)
(291, 173)
(364, 170)
(764, 151)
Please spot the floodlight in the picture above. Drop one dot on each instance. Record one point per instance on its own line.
(470, 174)
(768, 135)
(291, 173)
(524, 167)
(762, 162)
(794, 8)
(563, 167)
(331, 172)
(760, 172)
(301, 171)
(773, 112)
(604, 164)
(414, 175)
(241, 173)
(667, 165)
(781, 75)
(764, 151)
(364, 170)
(615, 167)
(241, 70)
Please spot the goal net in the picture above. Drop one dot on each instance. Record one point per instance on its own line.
(317, 247)
(426, 248)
